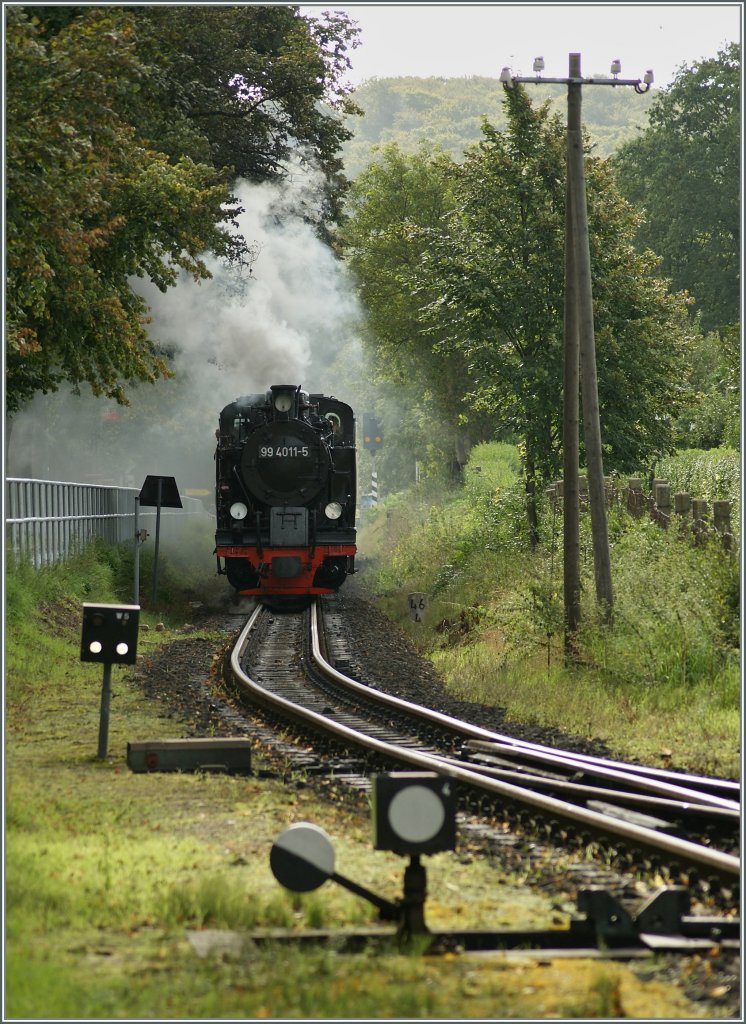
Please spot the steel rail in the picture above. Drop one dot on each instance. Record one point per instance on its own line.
(720, 864)
(594, 766)
(584, 792)
(479, 733)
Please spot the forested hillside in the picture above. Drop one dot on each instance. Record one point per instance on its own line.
(448, 112)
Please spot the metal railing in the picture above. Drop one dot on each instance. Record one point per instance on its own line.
(48, 520)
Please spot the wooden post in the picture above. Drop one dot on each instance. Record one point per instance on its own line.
(587, 346)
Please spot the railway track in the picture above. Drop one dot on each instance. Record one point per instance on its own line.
(685, 825)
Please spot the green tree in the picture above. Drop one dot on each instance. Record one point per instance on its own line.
(711, 419)
(496, 266)
(392, 208)
(88, 206)
(684, 172)
(125, 129)
(245, 87)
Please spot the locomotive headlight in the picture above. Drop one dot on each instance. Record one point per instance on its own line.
(333, 510)
(284, 402)
(239, 510)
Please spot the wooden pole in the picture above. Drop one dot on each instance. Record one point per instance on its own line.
(589, 380)
(570, 424)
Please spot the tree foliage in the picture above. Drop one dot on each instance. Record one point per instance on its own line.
(684, 172)
(498, 266)
(392, 209)
(125, 128)
(89, 205)
(483, 279)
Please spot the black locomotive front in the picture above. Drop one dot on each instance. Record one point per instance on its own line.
(286, 493)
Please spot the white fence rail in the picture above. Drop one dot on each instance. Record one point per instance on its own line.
(47, 520)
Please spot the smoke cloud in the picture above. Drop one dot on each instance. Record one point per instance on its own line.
(287, 322)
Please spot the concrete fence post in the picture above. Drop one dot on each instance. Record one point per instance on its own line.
(700, 509)
(721, 518)
(635, 497)
(682, 503)
(662, 498)
(609, 491)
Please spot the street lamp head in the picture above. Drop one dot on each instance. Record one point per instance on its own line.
(616, 67)
(538, 65)
(506, 78)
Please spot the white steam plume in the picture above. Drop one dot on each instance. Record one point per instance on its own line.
(228, 336)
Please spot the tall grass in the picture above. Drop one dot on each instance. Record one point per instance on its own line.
(667, 672)
(714, 475)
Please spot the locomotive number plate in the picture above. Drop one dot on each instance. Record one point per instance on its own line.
(284, 451)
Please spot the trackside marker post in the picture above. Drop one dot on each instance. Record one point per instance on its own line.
(109, 636)
(417, 606)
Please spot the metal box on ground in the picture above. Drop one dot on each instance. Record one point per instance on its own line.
(231, 756)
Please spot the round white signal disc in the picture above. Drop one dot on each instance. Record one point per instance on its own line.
(302, 857)
(416, 814)
(239, 510)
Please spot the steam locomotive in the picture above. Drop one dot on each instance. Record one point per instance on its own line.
(286, 467)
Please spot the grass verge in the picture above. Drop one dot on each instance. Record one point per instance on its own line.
(661, 685)
(108, 871)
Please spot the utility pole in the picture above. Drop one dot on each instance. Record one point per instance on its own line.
(580, 245)
(579, 339)
(570, 416)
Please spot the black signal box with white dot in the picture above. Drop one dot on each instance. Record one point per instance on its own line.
(414, 812)
(110, 633)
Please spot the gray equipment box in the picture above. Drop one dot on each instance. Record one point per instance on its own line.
(231, 756)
